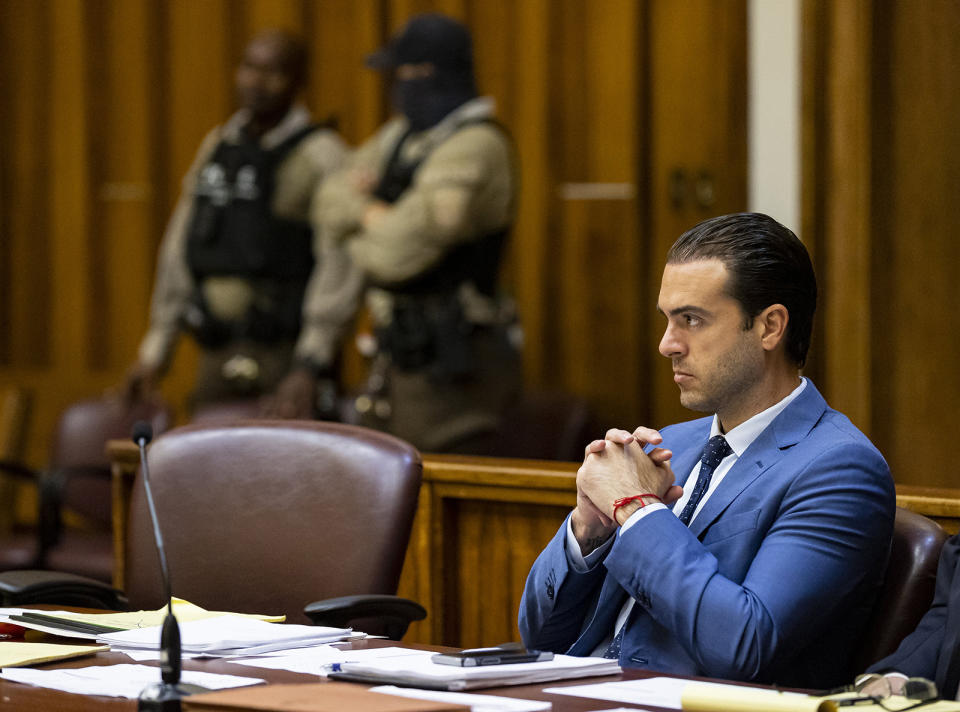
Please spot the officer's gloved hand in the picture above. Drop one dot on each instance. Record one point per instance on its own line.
(294, 397)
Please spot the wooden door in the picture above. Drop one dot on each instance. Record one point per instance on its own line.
(696, 160)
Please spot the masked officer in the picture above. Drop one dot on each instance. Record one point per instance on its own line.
(423, 211)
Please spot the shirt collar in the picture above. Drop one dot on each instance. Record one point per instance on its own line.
(742, 436)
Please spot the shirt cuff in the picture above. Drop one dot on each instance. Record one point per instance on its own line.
(640, 514)
(576, 560)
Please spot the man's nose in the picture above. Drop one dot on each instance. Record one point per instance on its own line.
(670, 344)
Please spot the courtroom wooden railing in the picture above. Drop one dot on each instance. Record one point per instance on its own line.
(481, 523)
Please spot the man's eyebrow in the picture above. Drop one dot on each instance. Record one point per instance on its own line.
(685, 309)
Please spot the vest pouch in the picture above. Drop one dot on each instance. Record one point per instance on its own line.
(408, 337)
(208, 331)
(453, 350)
(430, 334)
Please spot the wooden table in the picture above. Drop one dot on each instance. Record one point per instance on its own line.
(15, 696)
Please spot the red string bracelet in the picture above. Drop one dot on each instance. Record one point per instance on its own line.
(635, 498)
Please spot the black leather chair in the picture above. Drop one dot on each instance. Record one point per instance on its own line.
(76, 486)
(908, 587)
(267, 516)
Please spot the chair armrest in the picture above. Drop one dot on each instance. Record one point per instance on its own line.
(29, 587)
(389, 615)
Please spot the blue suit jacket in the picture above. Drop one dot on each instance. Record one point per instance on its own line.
(773, 580)
(933, 649)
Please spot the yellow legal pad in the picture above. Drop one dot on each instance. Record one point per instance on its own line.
(19, 654)
(184, 611)
(734, 698)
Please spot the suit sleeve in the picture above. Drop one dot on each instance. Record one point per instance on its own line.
(557, 599)
(823, 552)
(918, 653)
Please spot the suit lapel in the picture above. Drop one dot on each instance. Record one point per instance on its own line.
(609, 602)
(786, 430)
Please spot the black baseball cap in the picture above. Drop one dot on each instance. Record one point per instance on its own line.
(430, 37)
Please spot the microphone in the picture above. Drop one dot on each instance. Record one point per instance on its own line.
(163, 696)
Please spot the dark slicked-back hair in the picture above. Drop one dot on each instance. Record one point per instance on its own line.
(767, 264)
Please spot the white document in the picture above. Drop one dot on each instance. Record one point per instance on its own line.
(668, 692)
(318, 660)
(118, 680)
(228, 635)
(476, 703)
(653, 691)
(420, 670)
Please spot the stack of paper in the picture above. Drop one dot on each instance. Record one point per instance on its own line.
(228, 635)
(90, 625)
(118, 680)
(318, 660)
(421, 671)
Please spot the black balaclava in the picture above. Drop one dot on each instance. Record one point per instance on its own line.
(444, 43)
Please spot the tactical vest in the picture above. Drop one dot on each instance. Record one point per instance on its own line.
(428, 330)
(234, 232)
(477, 261)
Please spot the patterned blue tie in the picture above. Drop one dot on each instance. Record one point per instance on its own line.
(717, 448)
(613, 650)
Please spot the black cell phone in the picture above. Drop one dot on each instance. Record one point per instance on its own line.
(498, 655)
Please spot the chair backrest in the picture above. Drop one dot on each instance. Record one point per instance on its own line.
(268, 516)
(79, 444)
(908, 586)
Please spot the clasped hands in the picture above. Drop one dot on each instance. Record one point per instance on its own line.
(614, 468)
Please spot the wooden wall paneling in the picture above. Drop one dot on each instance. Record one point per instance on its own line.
(846, 285)
(879, 193)
(341, 34)
(415, 579)
(496, 44)
(697, 114)
(490, 538)
(70, 206)
(815, 30)
(26, 287)
(913, 249)
(599, 272)
(532, 248)
(124, 190)
(259, 15)
(599, 310)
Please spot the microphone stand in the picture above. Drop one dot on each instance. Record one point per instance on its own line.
(163, 696)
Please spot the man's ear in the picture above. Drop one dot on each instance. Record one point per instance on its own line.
(773, 326)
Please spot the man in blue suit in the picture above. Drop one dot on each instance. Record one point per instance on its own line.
(761, 559)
